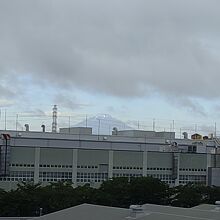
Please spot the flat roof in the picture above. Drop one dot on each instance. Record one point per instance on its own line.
(150, 212)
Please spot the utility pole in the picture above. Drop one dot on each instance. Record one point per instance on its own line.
(86, 121)
(215, 130)
(69, 124)
(99, 127)
(195, 128)
(5, 119)
(16, 123)
(153, 124)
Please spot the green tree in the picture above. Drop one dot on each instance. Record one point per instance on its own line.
(57, 196)
(148, 190)
(85, 194)
(189, 195)
(214, 194)
(115, 192)
(28, 198)
(21, 202)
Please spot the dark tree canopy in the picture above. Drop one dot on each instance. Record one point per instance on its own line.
(28, 198)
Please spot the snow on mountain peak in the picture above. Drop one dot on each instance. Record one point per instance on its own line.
(103, 124)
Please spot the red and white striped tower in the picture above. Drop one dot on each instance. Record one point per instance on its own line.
(54, 123)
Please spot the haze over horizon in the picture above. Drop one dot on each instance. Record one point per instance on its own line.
(134, 60)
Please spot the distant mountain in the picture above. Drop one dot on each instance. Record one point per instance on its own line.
(103, 124)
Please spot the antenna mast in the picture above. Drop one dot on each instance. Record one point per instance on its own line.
(54, 123)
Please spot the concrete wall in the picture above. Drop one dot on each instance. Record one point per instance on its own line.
(92, 157)
(55, 156)
(76, 130)
(193, 161)
(214, 176)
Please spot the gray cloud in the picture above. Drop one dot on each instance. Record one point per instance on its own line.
(111, 109)
(6, 92)
(193, 106)
(66, 102)
(5, 103)
(121, 48)
(34, 113)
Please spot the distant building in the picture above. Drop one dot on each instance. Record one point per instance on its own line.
(76, 155)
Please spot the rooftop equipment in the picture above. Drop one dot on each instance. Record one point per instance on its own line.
(26, 127)
(136, 211)
(43, 128)
(185, 135)
(217, 203)
(114, 131)
(211, 136)
(205, 137)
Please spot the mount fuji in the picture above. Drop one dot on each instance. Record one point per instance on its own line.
(103, 124)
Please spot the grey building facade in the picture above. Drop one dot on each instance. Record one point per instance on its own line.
(83, 158)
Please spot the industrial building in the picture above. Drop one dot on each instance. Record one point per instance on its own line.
(75, 154)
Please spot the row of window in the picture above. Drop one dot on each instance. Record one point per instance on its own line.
(41, 165)
(67, 166)
(96, 177)
(191, 169)
(126, 175)
(182, 182)
(21, 165)
(21, 174)
(127, 168)
(54, 179)
(95, 167)
(91, 177)
(193, 178)
(140, 168)
(163, 177)
(55, 166)
(17, 179)
(168, 181)
(87, 166)
(158, 168)
(89, 181)
(66, 175)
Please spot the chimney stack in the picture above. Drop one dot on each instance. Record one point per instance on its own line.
(26, 127)
(43, 128)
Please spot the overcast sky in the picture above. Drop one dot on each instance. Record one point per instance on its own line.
(133, 59)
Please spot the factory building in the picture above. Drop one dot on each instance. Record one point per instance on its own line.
(75, 154)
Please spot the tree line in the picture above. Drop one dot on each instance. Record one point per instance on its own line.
(28, 198)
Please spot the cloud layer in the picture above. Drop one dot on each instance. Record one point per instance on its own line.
(121, 48)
